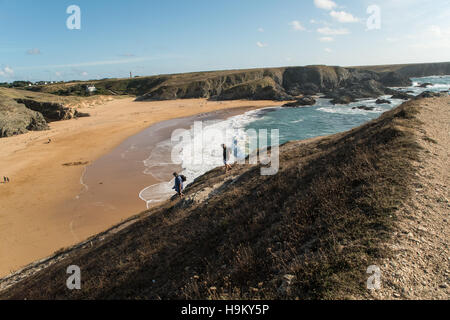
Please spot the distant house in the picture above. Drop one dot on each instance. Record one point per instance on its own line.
(91, 89)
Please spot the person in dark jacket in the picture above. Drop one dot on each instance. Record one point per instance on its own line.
(178, 184)
(226, 158)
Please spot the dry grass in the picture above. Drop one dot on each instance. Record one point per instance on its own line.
(309, 232)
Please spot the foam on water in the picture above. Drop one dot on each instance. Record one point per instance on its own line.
(230, 131)
(439, 83)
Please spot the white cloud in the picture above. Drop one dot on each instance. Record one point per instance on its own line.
(261, 45)
(6, 72)
(34, 52)
(343, 17)
(325, 4)
(297, 26)
(328, 50)
(58, 74)
(432, 38)
(260, 30)
(84, 74)
(391, 40)
(435, 30)
(333, 32)
(326, 39)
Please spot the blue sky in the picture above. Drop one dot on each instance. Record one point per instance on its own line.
(156, 37)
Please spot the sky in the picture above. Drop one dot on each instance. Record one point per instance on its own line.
(42, 40)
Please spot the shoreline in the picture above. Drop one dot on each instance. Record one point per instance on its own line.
(45, 176)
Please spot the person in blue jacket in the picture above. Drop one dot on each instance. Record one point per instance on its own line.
(178, 184)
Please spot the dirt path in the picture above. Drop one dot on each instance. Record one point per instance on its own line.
(420, 268)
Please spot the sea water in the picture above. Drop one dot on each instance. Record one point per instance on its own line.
(321, 119)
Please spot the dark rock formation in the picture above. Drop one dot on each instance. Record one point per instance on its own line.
(275, 84)
(16, 119)
(50, 110)
(428, 94)
(382, 101)
(425, 85)
(394, 79)
(425, 70)
(366, 108)
(305, 101)
(264, 89)
(402, 95)
(342, 99)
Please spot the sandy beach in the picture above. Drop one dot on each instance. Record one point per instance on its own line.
(45, 177)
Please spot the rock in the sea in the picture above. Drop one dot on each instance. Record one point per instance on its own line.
(343, 100)
(425, 85)
(305, 101)
(402, 96)
(428, 94)
(366, 108)
(382, 101)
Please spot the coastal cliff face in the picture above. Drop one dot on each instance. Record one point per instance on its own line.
(50, 110)
(16, 118)
(412, 70)
(22, 111)
(425, 70)
(270, 83)
(281, 84)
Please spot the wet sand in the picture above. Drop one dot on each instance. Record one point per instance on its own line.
(38, 211)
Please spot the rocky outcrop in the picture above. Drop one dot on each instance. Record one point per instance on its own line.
(16, 118)
(382, 101)
(341, 99)
(425, 70)
(264, 89)
(314, 79)
(365, 108)
(429, 94)
(305, 101)
(425, 85)
(394, 79)
(276, 84)
(50, 110)
(356, 89)
(402, 96)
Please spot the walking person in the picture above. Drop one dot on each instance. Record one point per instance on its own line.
(179, 180)
(4, 179)
(226, 158)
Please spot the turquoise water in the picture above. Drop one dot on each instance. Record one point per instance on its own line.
(325, 118)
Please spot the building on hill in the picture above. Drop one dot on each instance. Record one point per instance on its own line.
(91, 89)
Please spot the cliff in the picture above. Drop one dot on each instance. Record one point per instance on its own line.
(269, 83)
(16, 118)
(22, 111)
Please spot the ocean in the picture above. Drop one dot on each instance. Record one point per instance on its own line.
(202, 152)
